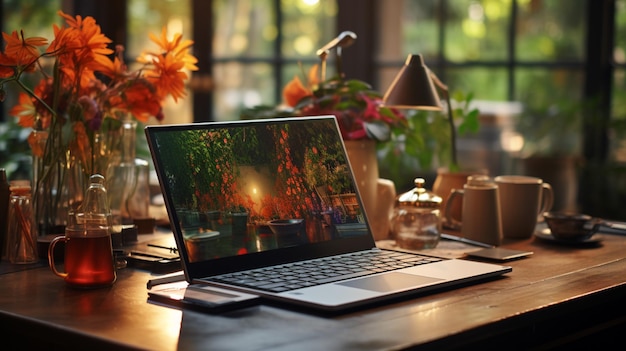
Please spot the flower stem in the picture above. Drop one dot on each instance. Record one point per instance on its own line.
(33, 95)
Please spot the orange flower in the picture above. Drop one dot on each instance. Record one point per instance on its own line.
(25, 111)
(116, 69)
(36, 143)
(6, 66)
(87, 45)
(167, 76)
(295, 91)
(140, 100)
(22, 52)
(81, 146)
(165, 69)
(179, 47)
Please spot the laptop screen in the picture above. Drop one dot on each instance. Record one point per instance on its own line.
(247, 187)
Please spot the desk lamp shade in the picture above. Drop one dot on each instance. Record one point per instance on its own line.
(413, 87)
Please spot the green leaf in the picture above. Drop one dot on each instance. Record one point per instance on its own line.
(470, 123)
(377, 130)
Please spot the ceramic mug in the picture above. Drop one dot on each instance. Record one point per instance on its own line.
(88, 257)
(522, 200)
(481, 220)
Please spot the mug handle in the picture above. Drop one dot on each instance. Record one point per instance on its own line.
(455, 222)
(547, 198)
(51, 255)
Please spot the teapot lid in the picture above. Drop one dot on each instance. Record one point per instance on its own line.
(419, 196)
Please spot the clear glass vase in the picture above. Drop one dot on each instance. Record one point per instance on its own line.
(57, 185)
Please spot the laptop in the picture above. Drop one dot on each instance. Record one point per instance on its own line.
(255, 204)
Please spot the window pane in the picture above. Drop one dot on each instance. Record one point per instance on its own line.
(241, 85)
(551, 30)
(307, 26)
(552, 105)
(300, 70)
(416, 32)
(150, 16)
(244, 28)
(618, 137)
(386, 75)
(35, 18)
(485, 83)
(477, 30)
(538, 88)
(620, 32)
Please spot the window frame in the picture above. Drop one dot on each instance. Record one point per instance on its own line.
(359, 16)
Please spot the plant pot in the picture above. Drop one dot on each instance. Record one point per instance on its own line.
(377, 194)
(362, 155)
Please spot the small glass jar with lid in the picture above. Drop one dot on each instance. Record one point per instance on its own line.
(416, 222)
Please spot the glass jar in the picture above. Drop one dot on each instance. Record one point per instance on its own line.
(416, 222)
(21, 239)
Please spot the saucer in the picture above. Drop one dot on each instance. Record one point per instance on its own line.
(545, 234)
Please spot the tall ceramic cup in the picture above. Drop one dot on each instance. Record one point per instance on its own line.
(522, 200)
(480, 210)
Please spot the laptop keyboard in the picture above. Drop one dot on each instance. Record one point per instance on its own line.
(323, 270)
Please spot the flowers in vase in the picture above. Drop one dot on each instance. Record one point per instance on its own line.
(85, 91)
(87, 88)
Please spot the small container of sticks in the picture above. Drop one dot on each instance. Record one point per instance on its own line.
(21, 244)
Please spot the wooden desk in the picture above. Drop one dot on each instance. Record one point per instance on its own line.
(560, 296)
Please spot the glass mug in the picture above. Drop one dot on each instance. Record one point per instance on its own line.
(88, 257)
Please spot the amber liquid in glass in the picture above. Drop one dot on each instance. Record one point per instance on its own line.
(89, 261)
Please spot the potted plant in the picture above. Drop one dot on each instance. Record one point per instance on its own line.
(424, 145)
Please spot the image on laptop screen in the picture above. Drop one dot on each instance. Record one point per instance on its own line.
(240, 188)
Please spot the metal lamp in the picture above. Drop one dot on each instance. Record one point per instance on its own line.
(344, 39)
(414, 88)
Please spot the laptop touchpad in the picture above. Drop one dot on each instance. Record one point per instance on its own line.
(389, 282)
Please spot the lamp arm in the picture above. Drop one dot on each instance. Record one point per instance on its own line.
(344, 39)
(452, 129)
(339, 63)
(444, 89)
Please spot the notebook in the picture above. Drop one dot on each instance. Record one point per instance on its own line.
(255, 204)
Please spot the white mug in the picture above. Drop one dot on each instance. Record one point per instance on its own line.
(522, 200)
(480, 210)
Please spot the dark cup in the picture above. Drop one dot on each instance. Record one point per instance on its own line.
(570, 226)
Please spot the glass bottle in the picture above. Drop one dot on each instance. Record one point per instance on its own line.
(94, 211)
(121, 175)
(128, 180)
